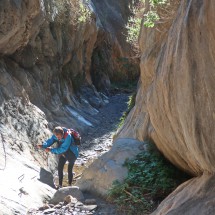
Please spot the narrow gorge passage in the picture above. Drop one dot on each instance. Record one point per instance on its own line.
(98, 139)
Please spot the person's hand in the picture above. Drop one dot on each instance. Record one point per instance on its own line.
(48, 149)
(39, 146)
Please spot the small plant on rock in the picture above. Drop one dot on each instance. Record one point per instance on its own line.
(131, 103)
(150, 13)
(72, 11)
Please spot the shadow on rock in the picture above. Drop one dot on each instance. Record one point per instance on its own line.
(46, 177)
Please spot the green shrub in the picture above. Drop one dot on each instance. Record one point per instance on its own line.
(131, 103)
(72, 11)
(84, 13)
(134, 22)
(152, 15)
(150, 18)
(139, 13)
(150, 179)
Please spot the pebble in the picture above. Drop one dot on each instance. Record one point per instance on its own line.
(88, 207)
(46, 206)
(48, 211)
(70, 199)
(70, 206)
(90, 202)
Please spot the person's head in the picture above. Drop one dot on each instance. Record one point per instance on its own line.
(58, 132)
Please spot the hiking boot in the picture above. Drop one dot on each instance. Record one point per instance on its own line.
(59, 187)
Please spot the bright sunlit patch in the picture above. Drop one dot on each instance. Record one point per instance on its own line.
(79, 117)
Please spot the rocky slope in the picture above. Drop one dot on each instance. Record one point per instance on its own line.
(22, 169)
(175, 105)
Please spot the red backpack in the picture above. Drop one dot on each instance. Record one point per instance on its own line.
(76, 136)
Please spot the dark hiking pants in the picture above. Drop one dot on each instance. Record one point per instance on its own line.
(70, 157)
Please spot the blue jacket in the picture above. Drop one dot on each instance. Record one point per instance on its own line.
(65, 144)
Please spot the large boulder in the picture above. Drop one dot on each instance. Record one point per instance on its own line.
(194, 197)
(175, 105)
(60, 195)
(100, 175)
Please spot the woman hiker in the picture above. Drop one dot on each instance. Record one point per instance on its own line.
(67, 150)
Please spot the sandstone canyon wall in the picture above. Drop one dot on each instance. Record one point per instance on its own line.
(175, 97)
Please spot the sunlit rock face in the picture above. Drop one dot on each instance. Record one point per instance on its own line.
(26, 180)
(100, 175)
(175, 105)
